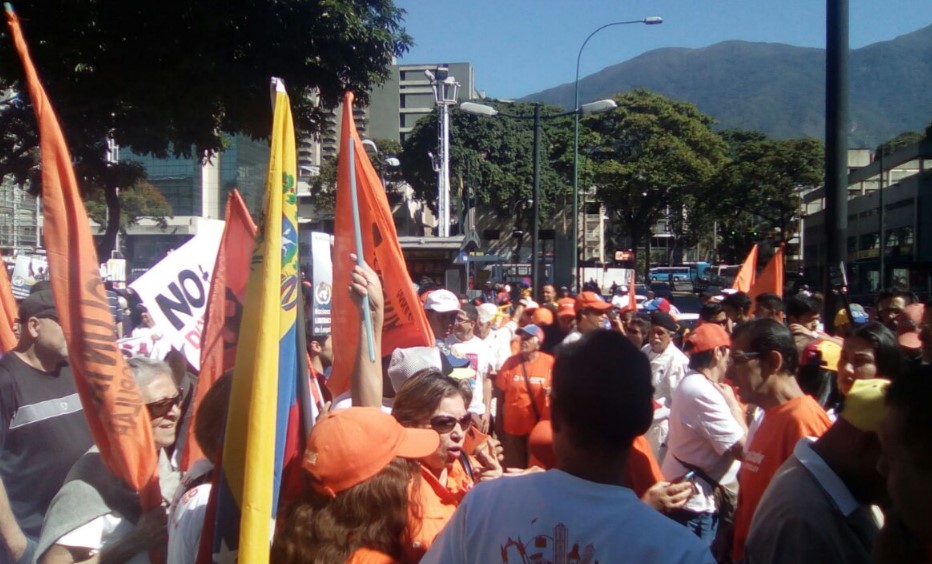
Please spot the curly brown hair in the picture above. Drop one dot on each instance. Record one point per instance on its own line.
(373, 514)
(421, 394)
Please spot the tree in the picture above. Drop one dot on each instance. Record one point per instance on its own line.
(763, 184)
(141, 200)
(651, 155)
(171, 77)
(904, 139)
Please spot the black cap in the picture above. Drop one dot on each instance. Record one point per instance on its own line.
(664, 320)
(38, 304)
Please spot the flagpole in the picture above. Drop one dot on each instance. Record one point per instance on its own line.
(304, 383)
(357, 230)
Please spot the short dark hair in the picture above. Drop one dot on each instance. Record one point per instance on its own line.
(766, 335)
(770, 301)
(800, 305)
(888, 356)
(698, 361)
(471, 311)
(910, 395)
(602, 391)
(738, 300)
(908, 296)
(710, 310)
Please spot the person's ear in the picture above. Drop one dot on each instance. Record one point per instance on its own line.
(774, 360)
(32, 327)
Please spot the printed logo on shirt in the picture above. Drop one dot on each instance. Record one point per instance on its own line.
(547, 548)
(534, 380)
(752, 460)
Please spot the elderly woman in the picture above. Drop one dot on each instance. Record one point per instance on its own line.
(430, 400)
(95, 517)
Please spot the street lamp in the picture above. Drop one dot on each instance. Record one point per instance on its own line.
(445, 90)
(383, 162)
(652, 20)
(483, 110)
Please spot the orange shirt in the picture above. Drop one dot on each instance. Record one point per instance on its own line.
(519, 416)
(773, 443)
(642, 470)
(437, 502)
(370, 556)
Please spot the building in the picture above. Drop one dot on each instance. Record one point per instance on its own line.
(894, 192)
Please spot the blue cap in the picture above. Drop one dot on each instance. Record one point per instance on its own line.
(532, 331)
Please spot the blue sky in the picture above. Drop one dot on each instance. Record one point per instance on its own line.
(518, 47)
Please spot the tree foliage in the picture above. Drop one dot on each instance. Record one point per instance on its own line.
(904, 139)
(141, 200)
(171, 77)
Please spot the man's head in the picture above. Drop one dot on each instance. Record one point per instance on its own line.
(161, 397)
(591, 311)
(566, 314)
(762, 352)
(638, 328)
(548, 294)
(601, 395)
(466, 320)
(40, 330)
(891, 303)
(737, 307)
(442, 307)
(662, 329)
(908, 333)
(708, 348)
(713, 312)
(768, 306)
(321, 347)
(485, 316)
(804, 311)
(531, 337)
(906, 440)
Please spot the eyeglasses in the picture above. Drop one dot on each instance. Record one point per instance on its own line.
(446, 423)
(739, 357)
(161, 408)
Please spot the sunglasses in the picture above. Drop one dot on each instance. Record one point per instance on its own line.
(162, 408)
(738, 357)
(446, 423)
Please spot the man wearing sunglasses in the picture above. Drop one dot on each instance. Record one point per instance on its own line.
(763, 364)
(43, 430)
(95, 514)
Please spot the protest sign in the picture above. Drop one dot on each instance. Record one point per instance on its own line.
(322, 280)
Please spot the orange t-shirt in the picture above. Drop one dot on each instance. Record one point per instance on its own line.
(437, 502)
(370, 556)
(519, 416)
(773, 443)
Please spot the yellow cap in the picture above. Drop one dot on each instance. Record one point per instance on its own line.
(864, 406)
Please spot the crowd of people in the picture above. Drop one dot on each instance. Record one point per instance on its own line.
(566, 428)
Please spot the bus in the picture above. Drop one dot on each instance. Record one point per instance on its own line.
(672, 274)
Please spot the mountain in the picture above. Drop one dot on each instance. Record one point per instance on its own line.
(779, 89)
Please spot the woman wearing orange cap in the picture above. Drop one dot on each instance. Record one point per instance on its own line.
(362, 468)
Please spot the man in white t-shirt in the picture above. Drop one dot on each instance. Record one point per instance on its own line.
(464, 342)
(580, 511)
(668, 365)
(706, 429)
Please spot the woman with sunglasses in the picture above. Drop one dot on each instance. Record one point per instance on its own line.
(430, 400)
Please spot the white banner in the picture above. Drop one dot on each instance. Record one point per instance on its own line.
(28, 270)
(322, 280)
(175, 290)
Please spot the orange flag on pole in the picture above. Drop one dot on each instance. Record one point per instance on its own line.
(632, 293)
(405, 320)
(224, 309)
(112, 404)
(748, 273)
(771, 278)
(8, 313)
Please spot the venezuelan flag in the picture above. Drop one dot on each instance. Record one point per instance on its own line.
(265, 373)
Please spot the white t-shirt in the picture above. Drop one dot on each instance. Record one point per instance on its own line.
(186, 515)
(702, 428)
(101, 532)
(477, 351)
(556, 517)
(667, 370)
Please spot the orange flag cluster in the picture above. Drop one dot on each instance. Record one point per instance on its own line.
(748, 273)
(8, 313)
(771, 278)
(112, 403)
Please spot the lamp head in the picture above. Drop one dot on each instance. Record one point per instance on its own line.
(653, 20)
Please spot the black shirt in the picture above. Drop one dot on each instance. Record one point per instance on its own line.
(42, 433)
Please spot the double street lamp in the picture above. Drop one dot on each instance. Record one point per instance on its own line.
(652, 20)
(483, 110)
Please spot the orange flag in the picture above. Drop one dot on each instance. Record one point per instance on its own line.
(224, 309)
(8, 312)
(632, 293)
(112, 404)
(771, 278)
(405, 321)
(748, 273)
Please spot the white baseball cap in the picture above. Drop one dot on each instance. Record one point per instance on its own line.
(442, 301)
(405, 363)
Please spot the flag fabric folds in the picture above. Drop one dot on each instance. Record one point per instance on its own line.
(405, 321)
(112, 403)
(771, 278)
(224, 309)
(632, 292)
(8, 313)
(748, 273)
(265, 371)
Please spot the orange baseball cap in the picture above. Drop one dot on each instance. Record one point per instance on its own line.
(707, 337)
(591, 300)
(349, 446)
(542, 316)
(566, 307)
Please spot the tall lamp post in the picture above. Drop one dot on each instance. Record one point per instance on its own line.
(445, 90)
(383, 162)
(652, 20)
(483, 110)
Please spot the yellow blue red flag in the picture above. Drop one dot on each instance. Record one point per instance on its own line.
(262, 431)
